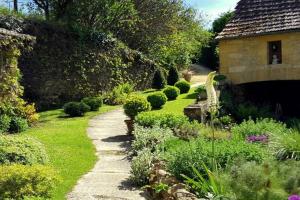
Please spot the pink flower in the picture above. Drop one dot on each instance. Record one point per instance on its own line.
(294, 197)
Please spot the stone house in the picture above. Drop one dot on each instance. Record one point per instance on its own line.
(262, 42)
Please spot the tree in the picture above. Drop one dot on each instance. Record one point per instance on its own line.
(159, 81)
(45, 6)
(16, 5)
(220, 23)
(173, 76)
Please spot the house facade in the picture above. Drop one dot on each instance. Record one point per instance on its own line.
(262, 42)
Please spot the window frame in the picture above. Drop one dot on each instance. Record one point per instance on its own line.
(272, 52)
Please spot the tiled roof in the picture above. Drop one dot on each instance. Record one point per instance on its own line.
(260, 17)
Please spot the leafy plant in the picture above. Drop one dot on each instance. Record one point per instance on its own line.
(157, 100)
(20, 181)
(159, 81)
(76, 109)
(22, 150)
(149, 138)
(141, 166)
(94, 102)
(135, 105)
(4, 123)
(245, 111)
(259, 127)
(18, 125)
(160, 187)
(183, 86)
(171, 92)
(173, 76)
(206, 184)
(188, 130)
(119, 94)
(201, 89)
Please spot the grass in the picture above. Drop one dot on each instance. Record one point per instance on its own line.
(71, 152)
(177, 106)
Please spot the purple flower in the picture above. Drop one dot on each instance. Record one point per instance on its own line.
(294, 197)
(259, 138)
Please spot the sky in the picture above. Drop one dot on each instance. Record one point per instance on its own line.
(212, 8)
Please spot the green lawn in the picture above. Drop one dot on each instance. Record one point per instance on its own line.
(71, 152)
(177, 106)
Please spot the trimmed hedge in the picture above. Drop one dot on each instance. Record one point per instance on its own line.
(157, 100)
(93, 102)
(76, 109)
(183, 86)
(136, 104)
(172, 92)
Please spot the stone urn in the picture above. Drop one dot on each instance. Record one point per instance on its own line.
(130, 126)
(187, 75)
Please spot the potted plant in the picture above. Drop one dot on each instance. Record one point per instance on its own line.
(132, 107)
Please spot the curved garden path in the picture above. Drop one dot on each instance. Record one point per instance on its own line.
(109, 178)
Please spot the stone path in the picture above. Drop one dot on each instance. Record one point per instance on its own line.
(199, 75)
(109, 178)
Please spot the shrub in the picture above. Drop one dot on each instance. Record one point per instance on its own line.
(119, 94)
(20, 181)
(149, 138)
(18, 125)
(248, 110)
(141, 167)
(253, 181)
(4, 123)
(157, 100)
(259, 127)
(181, 157)
(169, 120)
(286, 146)
(94, 102)
(289, 173)
(173, 76)
(76, 109)
(136, 104)
(201, 89)
(183, 86)
(172, 92)
(159, 81)
(22, 150)
(188, 130)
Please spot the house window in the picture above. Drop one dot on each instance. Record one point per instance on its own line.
(275, 52)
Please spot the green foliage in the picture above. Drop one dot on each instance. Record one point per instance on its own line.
(20, 181)
(205, 184)
(181, 157)
(286, 145)
(188, 130)
(119, 94)
(173, 76)
(159, 82)
(157, 100)
(220, 23)
(171, 92)
(135, 105)
(94, 102)
(183, 86)
(255, 182)
(4, 123)
(259, 127)
(22, 150)
(76, 109)
(149, 138)
(141, 166)
(168, 120)
(18, 125)
(289, 173)
(200, 89)
(248, 110)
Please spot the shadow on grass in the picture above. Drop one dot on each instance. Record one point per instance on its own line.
(150, 91)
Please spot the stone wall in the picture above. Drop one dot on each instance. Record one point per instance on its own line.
(245, 60)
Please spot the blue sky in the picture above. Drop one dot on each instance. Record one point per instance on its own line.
(213, 8)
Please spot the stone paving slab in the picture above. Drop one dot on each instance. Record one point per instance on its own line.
(109, 178)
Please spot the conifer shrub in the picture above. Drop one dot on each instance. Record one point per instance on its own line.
(135, 105)
(157, 100)
(159, 82)
(183, 86)
(76, 109)
(173, 76)
(171, 92)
